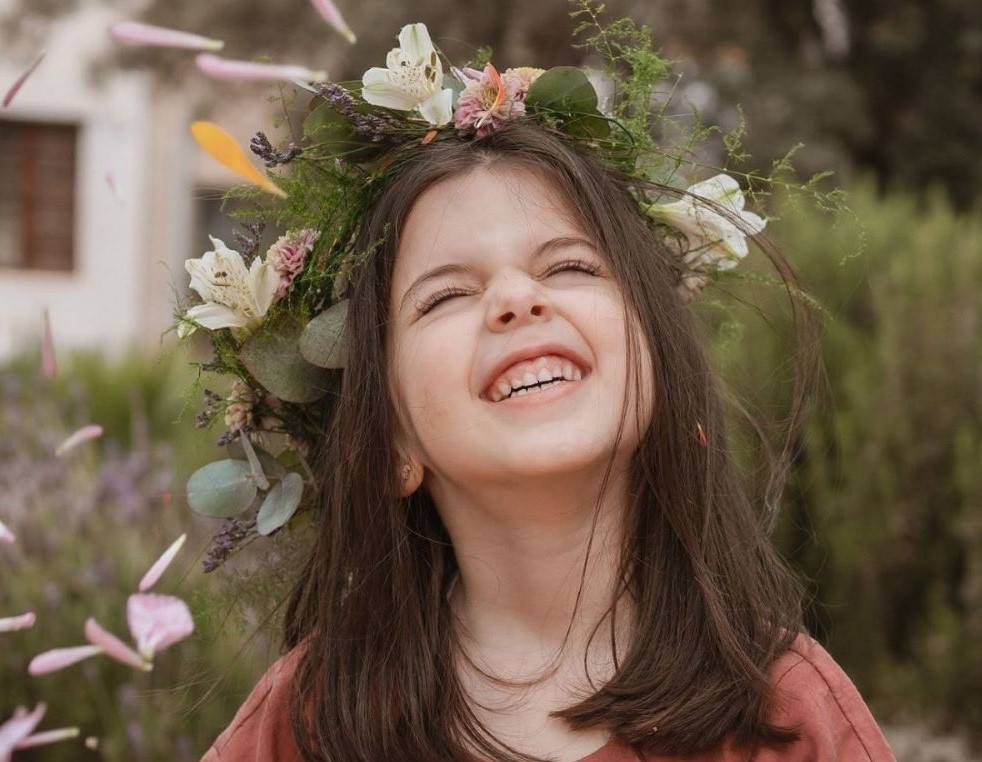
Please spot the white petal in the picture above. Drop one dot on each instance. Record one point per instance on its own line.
(753, 223)
(379, 90)
(414, 39)
(438, 108)
(263, 282)
(212, 316)
(722, 189)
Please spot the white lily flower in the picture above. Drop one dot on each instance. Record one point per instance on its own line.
(412, 79)
(712, 218)
(234, 296)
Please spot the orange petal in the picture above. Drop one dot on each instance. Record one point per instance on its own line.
(224, 149)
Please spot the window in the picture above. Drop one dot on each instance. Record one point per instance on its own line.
(37, 195)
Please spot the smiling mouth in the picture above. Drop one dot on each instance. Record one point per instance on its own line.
(533, 376)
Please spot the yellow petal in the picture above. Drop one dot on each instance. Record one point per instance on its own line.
(224, 149)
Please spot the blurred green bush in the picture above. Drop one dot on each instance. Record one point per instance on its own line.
(884, 512)
(88, 525)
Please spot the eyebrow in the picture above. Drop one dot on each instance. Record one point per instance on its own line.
(552, 244)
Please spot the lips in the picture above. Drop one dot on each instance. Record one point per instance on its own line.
(531, 370)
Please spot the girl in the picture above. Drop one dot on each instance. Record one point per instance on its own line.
(533, 541)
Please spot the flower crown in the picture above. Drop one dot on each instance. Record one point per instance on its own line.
(276, 319)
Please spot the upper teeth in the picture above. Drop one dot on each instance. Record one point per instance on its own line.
(533, 375)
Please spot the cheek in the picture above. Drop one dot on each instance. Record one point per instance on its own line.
(429, 381)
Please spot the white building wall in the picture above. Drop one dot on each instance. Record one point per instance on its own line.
(131, 230)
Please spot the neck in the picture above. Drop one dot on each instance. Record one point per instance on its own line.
(538, 564)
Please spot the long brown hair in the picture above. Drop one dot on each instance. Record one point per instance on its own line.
(712, 603)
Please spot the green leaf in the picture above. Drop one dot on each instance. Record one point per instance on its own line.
(272, 466)
(565, 89)
(280, 504)
(567, 94)
(221, 489)
(272, 356)
(322, 341)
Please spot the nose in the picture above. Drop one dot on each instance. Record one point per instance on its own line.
(516, 300)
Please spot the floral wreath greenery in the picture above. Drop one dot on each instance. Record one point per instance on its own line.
(276, 319)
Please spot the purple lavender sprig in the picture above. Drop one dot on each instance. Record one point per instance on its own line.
(261, 146)
(249, 241)
(232, 534)
(376, 125)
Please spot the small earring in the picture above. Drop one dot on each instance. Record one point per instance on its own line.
(406, 471)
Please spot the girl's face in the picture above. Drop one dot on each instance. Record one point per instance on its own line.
(507, 336)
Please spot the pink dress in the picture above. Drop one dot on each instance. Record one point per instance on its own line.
(814, 696)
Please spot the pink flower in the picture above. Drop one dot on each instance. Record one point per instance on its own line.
(157, 621)
(288, 254)
(59, 658)
(17, 728)
(5, 534)
(16, 733)
(14, 623)
(113, 647)
(49, 365)
(330, 13)
(251, 71)
(84, 434)
(19, 82)
(161, 564)
(488, 102)
(135, 33)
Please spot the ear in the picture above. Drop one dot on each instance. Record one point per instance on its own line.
(410, 476)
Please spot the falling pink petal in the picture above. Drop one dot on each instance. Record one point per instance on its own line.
(330, 13)
(17, 728)
(5, 534)
(113, 646)
(114, 188)
(161, 564)
(14, 623)
(49, 366)
(19, 82)
(135, 33)
(225, 68)
(59, 658)
(84, 434)
(157, 621)
(48, 736)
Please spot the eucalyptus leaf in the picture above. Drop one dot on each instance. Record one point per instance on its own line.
(280, 504)
(564, 89)
(221, 489)
(272, 466)
(567, 94)
(322, 341)
(272, 356)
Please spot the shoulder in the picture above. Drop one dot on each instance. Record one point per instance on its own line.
(815, 696)
(261, 730)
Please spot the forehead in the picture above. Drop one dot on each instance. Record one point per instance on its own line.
(483, 210)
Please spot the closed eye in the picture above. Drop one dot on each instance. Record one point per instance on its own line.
(437, 297)
(575, 265)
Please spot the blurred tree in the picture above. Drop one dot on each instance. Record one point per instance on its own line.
(888, 86)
